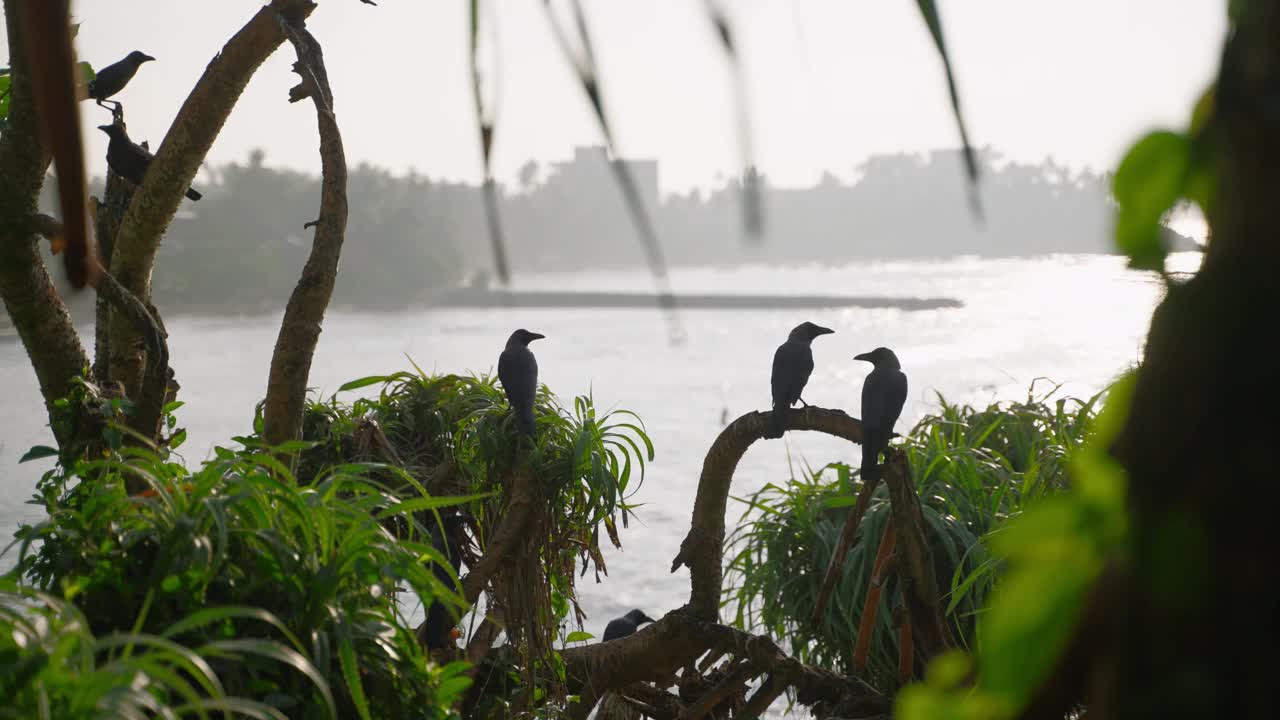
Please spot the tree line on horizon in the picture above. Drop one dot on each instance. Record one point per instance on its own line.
(240, 248)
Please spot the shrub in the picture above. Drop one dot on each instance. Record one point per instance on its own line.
(236, 553)
(973, 469)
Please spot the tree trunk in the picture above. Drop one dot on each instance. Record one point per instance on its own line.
(1197, 441)
(35, 307)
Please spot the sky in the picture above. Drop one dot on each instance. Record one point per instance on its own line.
(830, 82)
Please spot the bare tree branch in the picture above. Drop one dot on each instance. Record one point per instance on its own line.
(929, 626)
(847, 535)
(300, 328)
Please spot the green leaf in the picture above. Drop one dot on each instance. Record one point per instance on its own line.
(364, 382)
(579, 636)
(279, 653)
(431, 503)
(1152, 177)
(351, 670)
(5, 80)
(929, 11)
(38, 452)
(86, 72)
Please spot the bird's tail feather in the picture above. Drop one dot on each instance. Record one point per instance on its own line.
(524, 418)
(871, 447)
(777, 422)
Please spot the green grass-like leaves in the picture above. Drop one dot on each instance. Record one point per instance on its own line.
(974, 468)
(283, 595)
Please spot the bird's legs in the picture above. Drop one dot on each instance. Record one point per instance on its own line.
(804, 405)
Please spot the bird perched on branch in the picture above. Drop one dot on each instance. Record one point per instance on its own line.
(129, 160)
(883, 394)
(792, 365)
(518, 373)
(112, 78)
(626, 625)
(439, 629)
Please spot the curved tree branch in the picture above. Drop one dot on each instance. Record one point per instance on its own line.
(702, 550)
(184, 147)
(300, 328)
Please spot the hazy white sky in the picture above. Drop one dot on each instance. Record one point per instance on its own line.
(831, 81)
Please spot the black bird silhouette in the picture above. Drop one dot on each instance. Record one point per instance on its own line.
(438, 628)
(112, 78)
(792, 364)
(518, 373)
(129, 160)
(883, 394)
(626, 625)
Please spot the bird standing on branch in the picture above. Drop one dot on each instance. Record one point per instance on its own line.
(518, 373)
(792, 365)
(112, 78)
(625, 625)
(440, 627)
(883, 394)
(128, 160)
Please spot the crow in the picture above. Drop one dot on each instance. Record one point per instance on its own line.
(112, 78)
(883, 394)
(128, 160)
(440, 627)
(625, 625)
(792, 364)
(518, 373)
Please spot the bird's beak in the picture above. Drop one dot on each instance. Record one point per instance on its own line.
(863, 356)
(535, 336)
(823, 331)
(105, 128)
(146, 58)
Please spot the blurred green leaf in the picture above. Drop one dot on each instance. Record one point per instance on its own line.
(38, 452)
(578, 636)
(5, 81)
(1151, 178)
(929, 11)
(86, 72)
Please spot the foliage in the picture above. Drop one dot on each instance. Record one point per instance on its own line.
(53, 667)
(1054, 552)
(973, 469)
(460, 428)
(235, 562)
(1158, 171)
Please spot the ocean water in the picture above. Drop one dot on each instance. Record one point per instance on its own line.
(1075, 320)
